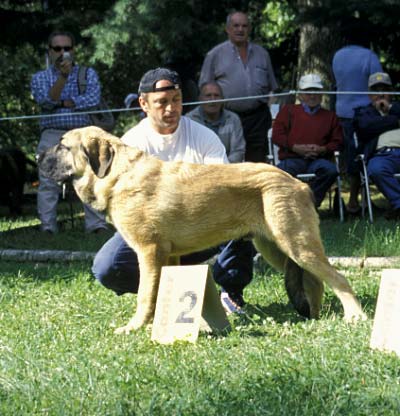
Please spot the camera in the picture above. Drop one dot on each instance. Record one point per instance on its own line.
(66, 56)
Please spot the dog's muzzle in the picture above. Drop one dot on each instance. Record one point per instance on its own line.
(52, 166)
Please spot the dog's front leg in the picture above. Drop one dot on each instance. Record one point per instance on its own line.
(150, 263)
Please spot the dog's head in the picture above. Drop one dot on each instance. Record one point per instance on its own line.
(79, 150)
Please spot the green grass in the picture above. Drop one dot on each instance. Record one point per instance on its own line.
(59, 355)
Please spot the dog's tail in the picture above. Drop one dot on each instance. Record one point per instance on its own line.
(295, 288)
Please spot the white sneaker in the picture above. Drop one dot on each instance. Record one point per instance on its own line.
(230, 305)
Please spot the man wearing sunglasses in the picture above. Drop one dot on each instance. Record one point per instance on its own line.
(57, 92)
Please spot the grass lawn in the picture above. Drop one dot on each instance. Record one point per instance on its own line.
(59, 355)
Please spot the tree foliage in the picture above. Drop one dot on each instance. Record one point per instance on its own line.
(124, 38)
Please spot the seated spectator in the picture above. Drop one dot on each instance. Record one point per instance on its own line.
(307, 136)
(224, 123)
(378, 129)
(228, 127)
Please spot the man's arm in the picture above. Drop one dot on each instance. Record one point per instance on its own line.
(207, 73)
(66, 66)
(280, 128)
(40, 88)
(370, 123)
(92, 95)
(336, 136)
(271, 75)
(209, 145)
(237, 142)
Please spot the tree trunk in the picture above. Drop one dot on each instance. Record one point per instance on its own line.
(316, 49)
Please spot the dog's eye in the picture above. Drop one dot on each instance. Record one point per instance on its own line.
(62, 146)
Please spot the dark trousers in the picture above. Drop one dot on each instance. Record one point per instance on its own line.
(255, 130)
(325, 171)
(381, 168)
(350, 151)
(116, 265)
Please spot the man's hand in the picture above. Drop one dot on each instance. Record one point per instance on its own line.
(383, 105)
(309, 151)
(66, 67)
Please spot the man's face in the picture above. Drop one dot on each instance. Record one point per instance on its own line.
(238, 29)
(58, 46)
(211, 92)
(376, 94)
(163, 108)
(310, 99)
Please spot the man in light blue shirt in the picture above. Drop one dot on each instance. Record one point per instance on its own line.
(352, 65)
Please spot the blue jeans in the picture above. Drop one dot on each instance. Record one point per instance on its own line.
(381, 168)
(116, 265)
(325, 171)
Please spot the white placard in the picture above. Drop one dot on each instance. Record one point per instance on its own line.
(386, 329)
(187, 301)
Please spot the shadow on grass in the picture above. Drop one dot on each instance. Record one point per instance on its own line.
(13, 273)
(71, 237)
(279, 312)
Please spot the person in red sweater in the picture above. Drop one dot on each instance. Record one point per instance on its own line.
(307, 136)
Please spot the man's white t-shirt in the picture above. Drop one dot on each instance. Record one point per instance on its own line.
(191, 142)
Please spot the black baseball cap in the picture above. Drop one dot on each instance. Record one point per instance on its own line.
(150, 79)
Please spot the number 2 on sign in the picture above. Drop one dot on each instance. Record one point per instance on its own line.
(183, 316)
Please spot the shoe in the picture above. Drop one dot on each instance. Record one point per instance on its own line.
(354, 211)
(232, 303)
(392, 214)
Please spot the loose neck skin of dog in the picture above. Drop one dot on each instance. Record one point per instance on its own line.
(165, 209)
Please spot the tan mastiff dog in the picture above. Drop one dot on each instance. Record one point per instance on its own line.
(166, 209)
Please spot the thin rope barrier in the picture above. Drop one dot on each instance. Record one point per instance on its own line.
(192, 103)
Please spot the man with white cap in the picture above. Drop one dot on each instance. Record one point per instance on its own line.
(378, 128)
(307, 136)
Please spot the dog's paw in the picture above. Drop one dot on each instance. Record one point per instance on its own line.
(133, 325)
(358, 316)
(124, 330)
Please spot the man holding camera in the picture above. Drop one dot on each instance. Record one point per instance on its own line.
(378, 129)
(57, 92)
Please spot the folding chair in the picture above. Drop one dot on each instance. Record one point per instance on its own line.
(366, 201)
(272, 158)
(365, 189)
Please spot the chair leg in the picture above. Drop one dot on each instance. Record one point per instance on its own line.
(367, 194)
(339, 188)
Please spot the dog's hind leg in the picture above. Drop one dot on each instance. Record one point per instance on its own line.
(294, 284)
(314, 291)
(316, 266)
(271, 253)
(151, 259)
(304, 291)
(296, 233)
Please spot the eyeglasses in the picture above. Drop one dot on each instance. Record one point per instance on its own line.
(60, 48)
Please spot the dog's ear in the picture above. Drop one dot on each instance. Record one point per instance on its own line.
(100, 155)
